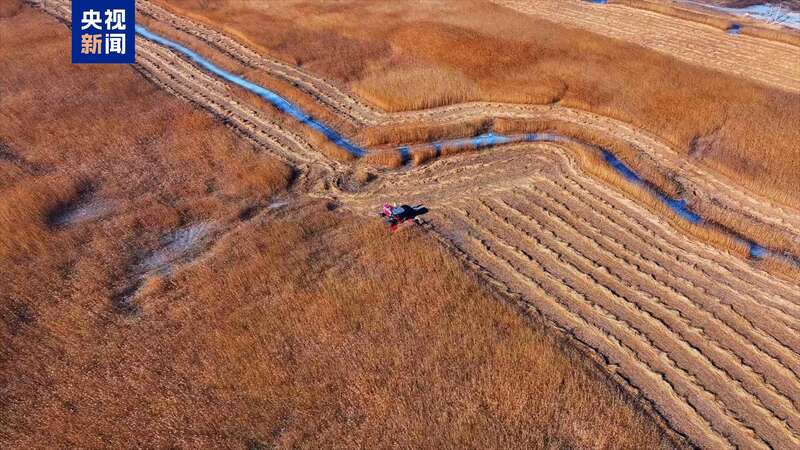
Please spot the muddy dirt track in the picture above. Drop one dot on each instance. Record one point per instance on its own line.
(710, 341)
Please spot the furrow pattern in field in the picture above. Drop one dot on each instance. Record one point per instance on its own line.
(780, 295)
(676, 313)
(578, 271)
(560, 280)
(769, 62)
(667, 281)
(549, 225)
(701, 274)
(672, 401)
(179, 76)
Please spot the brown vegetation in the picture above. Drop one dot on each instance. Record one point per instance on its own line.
(399, 88)
(696, 14)
(251, 100)
(420, 132)
(74, 144)
(291, 328)
(386, 157)
(632, 156)
(485, 52)
(664, 181)
(10, 7)
(592, 163)
(710, 338)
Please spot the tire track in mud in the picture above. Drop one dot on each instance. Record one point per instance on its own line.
(708, 340)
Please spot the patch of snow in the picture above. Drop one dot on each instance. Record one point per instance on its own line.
(178, 245)
(277, 204)
(774, 14)
(83, 213)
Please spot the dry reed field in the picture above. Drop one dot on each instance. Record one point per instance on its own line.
(705, 337)
(161, 287)
(713, 194)
(448, 52)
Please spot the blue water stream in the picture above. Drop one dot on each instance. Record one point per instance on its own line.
(479, 142)
(274, 99)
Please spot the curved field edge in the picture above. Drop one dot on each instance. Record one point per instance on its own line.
(329, 95)
(280, 103)
(737, 223)
(732, 125)
(768, 235)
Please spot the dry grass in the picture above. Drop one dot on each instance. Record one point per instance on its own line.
(387, 157)
(260, 349)
(744, 225)
(399, 90)
(717, 232)
(308, 104)
(421, 155)
(10, 7)
(753, 27)
(633, 156)
(592, 162)
(315, 45)
(462, 52)
(420, 132)
(296, 328)
(363, 174)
